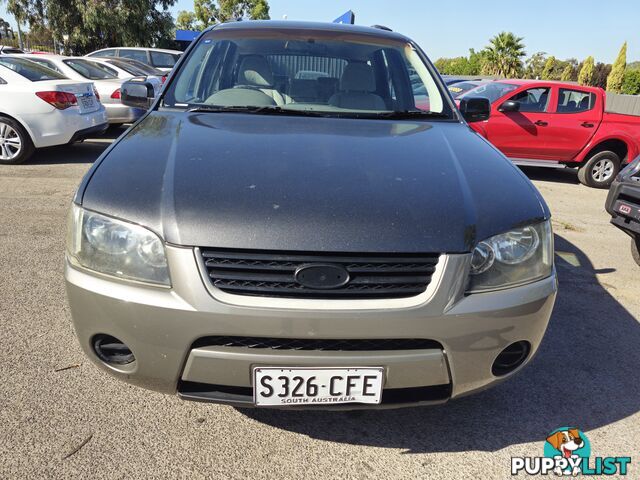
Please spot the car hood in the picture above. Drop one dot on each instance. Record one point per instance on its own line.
(249, 181)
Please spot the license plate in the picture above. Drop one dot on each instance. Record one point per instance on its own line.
(87, 103)
(316, 386)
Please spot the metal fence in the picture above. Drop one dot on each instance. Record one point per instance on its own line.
(29, 46)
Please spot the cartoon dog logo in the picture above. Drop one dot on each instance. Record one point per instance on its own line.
(566, 441)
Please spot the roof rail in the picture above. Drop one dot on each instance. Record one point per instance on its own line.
(382, 27)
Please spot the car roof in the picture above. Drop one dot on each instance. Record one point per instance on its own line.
(533, 83)
(337, 28)
(50, 56)
(151, 49)
(10, 49)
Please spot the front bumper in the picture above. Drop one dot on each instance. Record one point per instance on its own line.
(165, 329)
(623, 204)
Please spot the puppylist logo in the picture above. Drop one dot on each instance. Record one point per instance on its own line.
(567, 451)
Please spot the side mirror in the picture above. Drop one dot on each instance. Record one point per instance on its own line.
(137, 93)
(475, 109)
(510, 106)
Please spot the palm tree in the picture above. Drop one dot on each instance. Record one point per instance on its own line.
(504, 55)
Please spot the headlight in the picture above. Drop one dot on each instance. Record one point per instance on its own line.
(518, 256)
(116, 248)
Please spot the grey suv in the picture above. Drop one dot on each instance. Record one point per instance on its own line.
(343, 240)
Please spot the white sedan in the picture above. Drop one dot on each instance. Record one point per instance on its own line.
(106, 82)
(41, 108)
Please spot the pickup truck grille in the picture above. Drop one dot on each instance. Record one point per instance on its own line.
(273, 274)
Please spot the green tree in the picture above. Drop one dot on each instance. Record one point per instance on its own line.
(616, 77)
(547, 71)
(476, 62)
(211, 12)
(186, 21)
(631, 83)
(5, 29)
(535, 64)
(471, 65)
(585, 77)
(600, 75)
(453, 66)
(89, 25)
(442, 64)
(25, 11)
(504, 55)
(567, 74)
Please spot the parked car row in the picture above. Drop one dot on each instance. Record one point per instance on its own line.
(48, 99)
(40, 107)
(103, 77)
(161, 59)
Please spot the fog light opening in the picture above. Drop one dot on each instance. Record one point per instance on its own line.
(511, 358)
(112, 351)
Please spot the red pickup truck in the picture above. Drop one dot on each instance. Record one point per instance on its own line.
(541, 122)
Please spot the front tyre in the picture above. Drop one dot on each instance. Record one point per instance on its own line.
(15, 144)
(600, 170)
(635, 249)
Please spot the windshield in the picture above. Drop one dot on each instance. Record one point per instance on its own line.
(134, 66)
(309, 72)
(91, 70)
(492, 91)
(129, 68)
(30, 70)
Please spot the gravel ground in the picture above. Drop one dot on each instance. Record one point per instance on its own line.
(60, 417)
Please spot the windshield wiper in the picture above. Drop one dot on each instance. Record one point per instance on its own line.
(276, 110)
(219, 108)
(409, 114)
(264, 110)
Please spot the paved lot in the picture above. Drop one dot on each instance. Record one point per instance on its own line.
(586, 373)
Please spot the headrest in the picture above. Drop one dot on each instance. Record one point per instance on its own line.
(255, 70)
(358, 77)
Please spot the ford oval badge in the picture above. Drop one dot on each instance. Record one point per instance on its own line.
(321, 276)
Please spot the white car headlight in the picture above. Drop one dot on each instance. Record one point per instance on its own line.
(117, 248)
(521, 255)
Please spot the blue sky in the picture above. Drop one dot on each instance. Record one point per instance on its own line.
(446, 29)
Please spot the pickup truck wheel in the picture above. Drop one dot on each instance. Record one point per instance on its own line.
(600, 170)
(635, 249)
(15, 144)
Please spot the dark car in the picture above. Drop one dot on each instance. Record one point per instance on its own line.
(451, 79)
(623, 204)
(9, 50)
(459, 88)
(265, 237)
